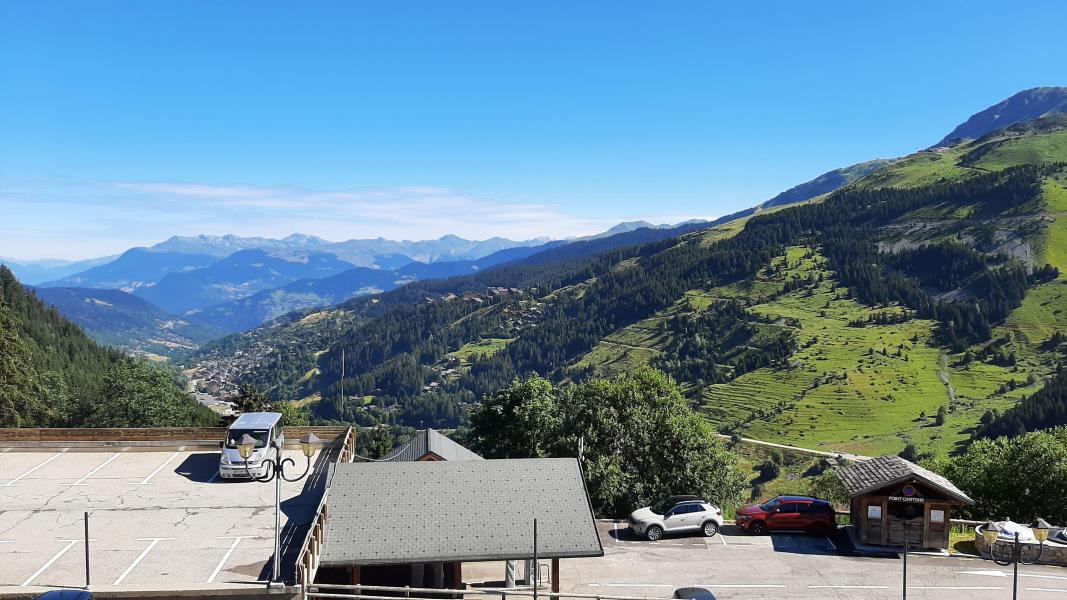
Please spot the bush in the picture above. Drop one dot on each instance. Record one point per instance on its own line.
(642, 440)
(1019, 478)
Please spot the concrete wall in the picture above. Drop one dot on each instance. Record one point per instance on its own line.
(161, 436)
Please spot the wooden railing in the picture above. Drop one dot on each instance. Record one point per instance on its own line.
(307, 562)
(348, 446)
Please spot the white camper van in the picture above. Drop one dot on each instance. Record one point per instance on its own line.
(266, 429)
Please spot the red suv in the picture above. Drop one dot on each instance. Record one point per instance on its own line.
(788, 513)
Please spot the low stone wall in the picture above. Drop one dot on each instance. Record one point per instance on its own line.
(1053, 553)
(41, 437)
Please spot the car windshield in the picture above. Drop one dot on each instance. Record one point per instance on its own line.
(662, 506)
(769, 505)
(233, 438)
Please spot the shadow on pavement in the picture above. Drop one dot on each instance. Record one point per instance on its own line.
(804, 543)
(201, 467)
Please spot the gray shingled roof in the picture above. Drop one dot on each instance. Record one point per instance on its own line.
(410, 512)
(866, 476)
(428, 441)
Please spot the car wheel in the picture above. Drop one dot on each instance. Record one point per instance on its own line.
(654, 533)
(711, 528)
(757, 528)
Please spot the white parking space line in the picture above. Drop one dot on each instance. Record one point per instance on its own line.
(148, 479)
(94, 471)
(226, 557)
(743, 585)
(848, 587)
(1036, 576)
(831, 542)
(213, 477)
(615, 530)
(140, 557)
(722, 538)
(1055, 591)
(638, 585)
(952, 587)
(50, 459)
(58, 555)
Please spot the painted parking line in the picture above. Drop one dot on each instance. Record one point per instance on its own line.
(140, 557)
(743, 585)
(226, 557)
(94, 471)
(57, 556)
(848, 587)
(722, 538)
(213, 477)
(31, 471)
(953, 587)
(832, 545)
(1055, 591)
(625, 585)
(147, 480)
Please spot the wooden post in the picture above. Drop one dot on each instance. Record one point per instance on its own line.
(355, 575)
(555, 575)
(457, 576)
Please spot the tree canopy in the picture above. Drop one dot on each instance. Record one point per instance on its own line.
(1020, 478)
(641, 439)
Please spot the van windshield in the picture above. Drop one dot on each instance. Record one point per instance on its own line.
(233, 437)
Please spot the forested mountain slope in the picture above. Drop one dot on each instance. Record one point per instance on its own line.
(903, 307)
(52, 374)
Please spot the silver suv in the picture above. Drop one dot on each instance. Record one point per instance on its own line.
(676, 514)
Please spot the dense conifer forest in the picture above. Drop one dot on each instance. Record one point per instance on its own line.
(53, 375)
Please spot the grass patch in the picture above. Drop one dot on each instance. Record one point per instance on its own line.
(483, 347)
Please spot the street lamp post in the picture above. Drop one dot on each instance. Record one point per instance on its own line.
(990, 534)
(274, 470)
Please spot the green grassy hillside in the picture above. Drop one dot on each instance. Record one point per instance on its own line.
(866, 389)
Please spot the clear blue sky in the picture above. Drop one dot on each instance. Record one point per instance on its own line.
(122, 123)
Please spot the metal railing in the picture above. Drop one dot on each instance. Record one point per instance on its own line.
(357, 592)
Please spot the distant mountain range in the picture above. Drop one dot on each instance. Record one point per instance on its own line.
(231, 283)
(135, 268)
(117, 318)
(175, 295)
(47, 269)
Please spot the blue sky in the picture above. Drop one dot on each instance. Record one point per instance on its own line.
(122, 123)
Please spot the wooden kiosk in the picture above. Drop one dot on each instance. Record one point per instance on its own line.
(891, 499)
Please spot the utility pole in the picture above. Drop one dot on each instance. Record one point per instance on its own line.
(537, 569)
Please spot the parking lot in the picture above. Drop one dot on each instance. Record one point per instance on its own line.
(734, 565)
(159, 519)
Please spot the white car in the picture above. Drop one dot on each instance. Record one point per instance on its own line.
(676, 514)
